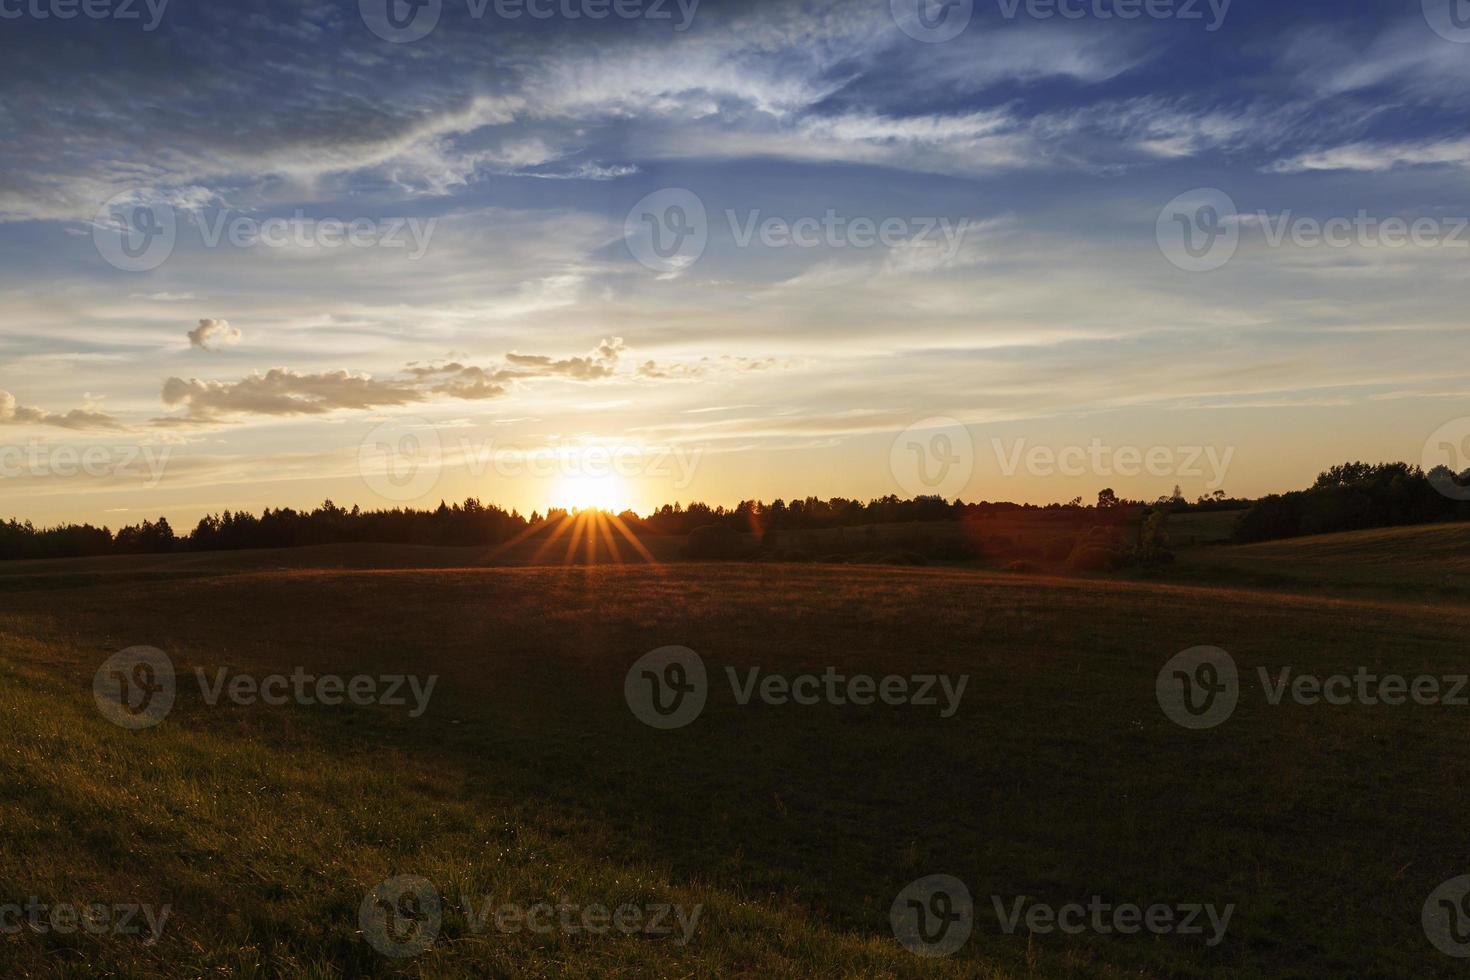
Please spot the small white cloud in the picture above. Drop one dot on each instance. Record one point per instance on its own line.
(212, 334)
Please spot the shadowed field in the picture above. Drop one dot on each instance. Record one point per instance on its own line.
(529, 779)
(1427, 561)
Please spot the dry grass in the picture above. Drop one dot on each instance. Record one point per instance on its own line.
(1427, 561)
(528, 778)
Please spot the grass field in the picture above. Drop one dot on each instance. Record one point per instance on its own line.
(1427, 562)
(528, 779)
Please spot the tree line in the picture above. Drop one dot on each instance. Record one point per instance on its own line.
(1357, 496)
(474, 523)
(1346, 497)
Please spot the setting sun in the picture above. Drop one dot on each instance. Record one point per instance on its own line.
(716, 487)
(607, 492)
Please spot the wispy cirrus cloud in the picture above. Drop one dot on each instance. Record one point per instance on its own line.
(1375, 157)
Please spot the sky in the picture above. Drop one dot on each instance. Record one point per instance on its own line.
(625, 252)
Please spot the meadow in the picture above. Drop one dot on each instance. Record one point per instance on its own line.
(1426, 562)
(791, 828)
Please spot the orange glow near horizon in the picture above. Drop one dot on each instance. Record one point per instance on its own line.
(587, 534)
(606, 492)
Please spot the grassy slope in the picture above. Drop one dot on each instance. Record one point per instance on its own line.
(1428, 560)
(528, 778)
(1442, 546)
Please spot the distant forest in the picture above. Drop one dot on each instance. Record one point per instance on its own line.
(1356, 496)
(1346, 497)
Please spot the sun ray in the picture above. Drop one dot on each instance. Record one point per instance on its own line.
(591, 538)
(604, 524)
(578, 522)
(530, 531)
(639, 546)
(562, 527)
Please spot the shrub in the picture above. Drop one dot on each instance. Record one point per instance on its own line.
(713, 541)
(1059, 549)
(1089, 557)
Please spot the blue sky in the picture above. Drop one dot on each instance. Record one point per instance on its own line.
(494, 300)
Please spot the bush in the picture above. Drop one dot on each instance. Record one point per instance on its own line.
(1089, 557)
(1059, 549)
(713, 541)
(954, 549)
